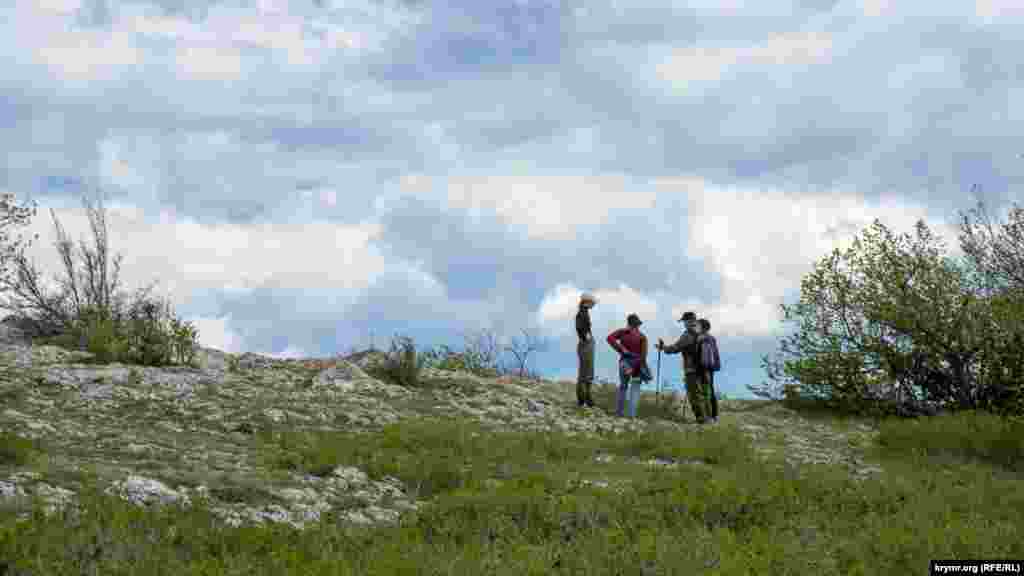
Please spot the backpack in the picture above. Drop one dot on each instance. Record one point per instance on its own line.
(631, 367)
(709, 359)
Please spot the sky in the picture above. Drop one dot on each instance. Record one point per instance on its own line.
(304, 177)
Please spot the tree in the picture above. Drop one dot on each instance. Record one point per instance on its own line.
(10, 216)
(480, 352)
(522, 349)
(90, 307)
(865, 313)
(997, 261)
(94, 291)
(999, 258)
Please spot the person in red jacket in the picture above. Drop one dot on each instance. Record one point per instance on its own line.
(631, 344)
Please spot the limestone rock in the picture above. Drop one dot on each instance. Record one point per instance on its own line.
(153, 428)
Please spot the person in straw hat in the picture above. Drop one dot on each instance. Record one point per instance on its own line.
(585, 351)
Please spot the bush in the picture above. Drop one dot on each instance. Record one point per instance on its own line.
(89, 316)
(401, 367)
(146, 335)
(479, 356)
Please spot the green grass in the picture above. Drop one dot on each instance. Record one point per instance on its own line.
(501, 502)
(967, 437)
(17, 450)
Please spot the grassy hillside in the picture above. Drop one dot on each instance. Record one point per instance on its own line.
(719, 500)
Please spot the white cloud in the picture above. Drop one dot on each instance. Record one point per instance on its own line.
(990, 10)
(551, 207)
(63, 7)
(876, 8)
(214, 333)
(762, 242)
(559, 306)
(185, 256)
(710, 63)
(198, 62)
(85, 55)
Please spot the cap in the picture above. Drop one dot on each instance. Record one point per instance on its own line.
(588, 298)
(633, 320)
(687, 316)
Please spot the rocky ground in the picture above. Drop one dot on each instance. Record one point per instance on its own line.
(168, 434)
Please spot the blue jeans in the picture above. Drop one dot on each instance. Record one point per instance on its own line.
(629, 392)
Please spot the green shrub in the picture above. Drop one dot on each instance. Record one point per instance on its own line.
(100, 336)
(401, 366)
(469, 360)
(148, 335)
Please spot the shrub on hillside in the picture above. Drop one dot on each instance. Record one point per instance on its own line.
(87, 314)
(401, 367)
(891, 326)
(479, 356)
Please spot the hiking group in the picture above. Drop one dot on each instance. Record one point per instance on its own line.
(698, 348)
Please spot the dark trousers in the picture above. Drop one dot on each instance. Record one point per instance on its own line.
(697, 395)
(709, 387)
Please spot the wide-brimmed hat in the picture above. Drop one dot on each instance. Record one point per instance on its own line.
(687, 316)
(588, 298)
(633, 320)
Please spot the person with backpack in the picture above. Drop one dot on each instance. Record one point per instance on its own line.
(686, 345)
(631, 344)
(710, 363)
(585, 352)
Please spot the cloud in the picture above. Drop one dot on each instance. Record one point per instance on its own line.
(299, 174)
(551, 207)
(215, 333)
(86, 55)
(988, 10)
(701, 63)
(189, 258)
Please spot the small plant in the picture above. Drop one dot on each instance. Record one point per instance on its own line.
(233, 364)
(183, 341)
(401, 367)
(16, 450)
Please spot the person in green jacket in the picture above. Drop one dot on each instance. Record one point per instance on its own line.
(687, 346)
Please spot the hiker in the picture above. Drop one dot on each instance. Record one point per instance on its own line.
(585, 352)
(687, 345)
(631, 344)
(709, 363)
